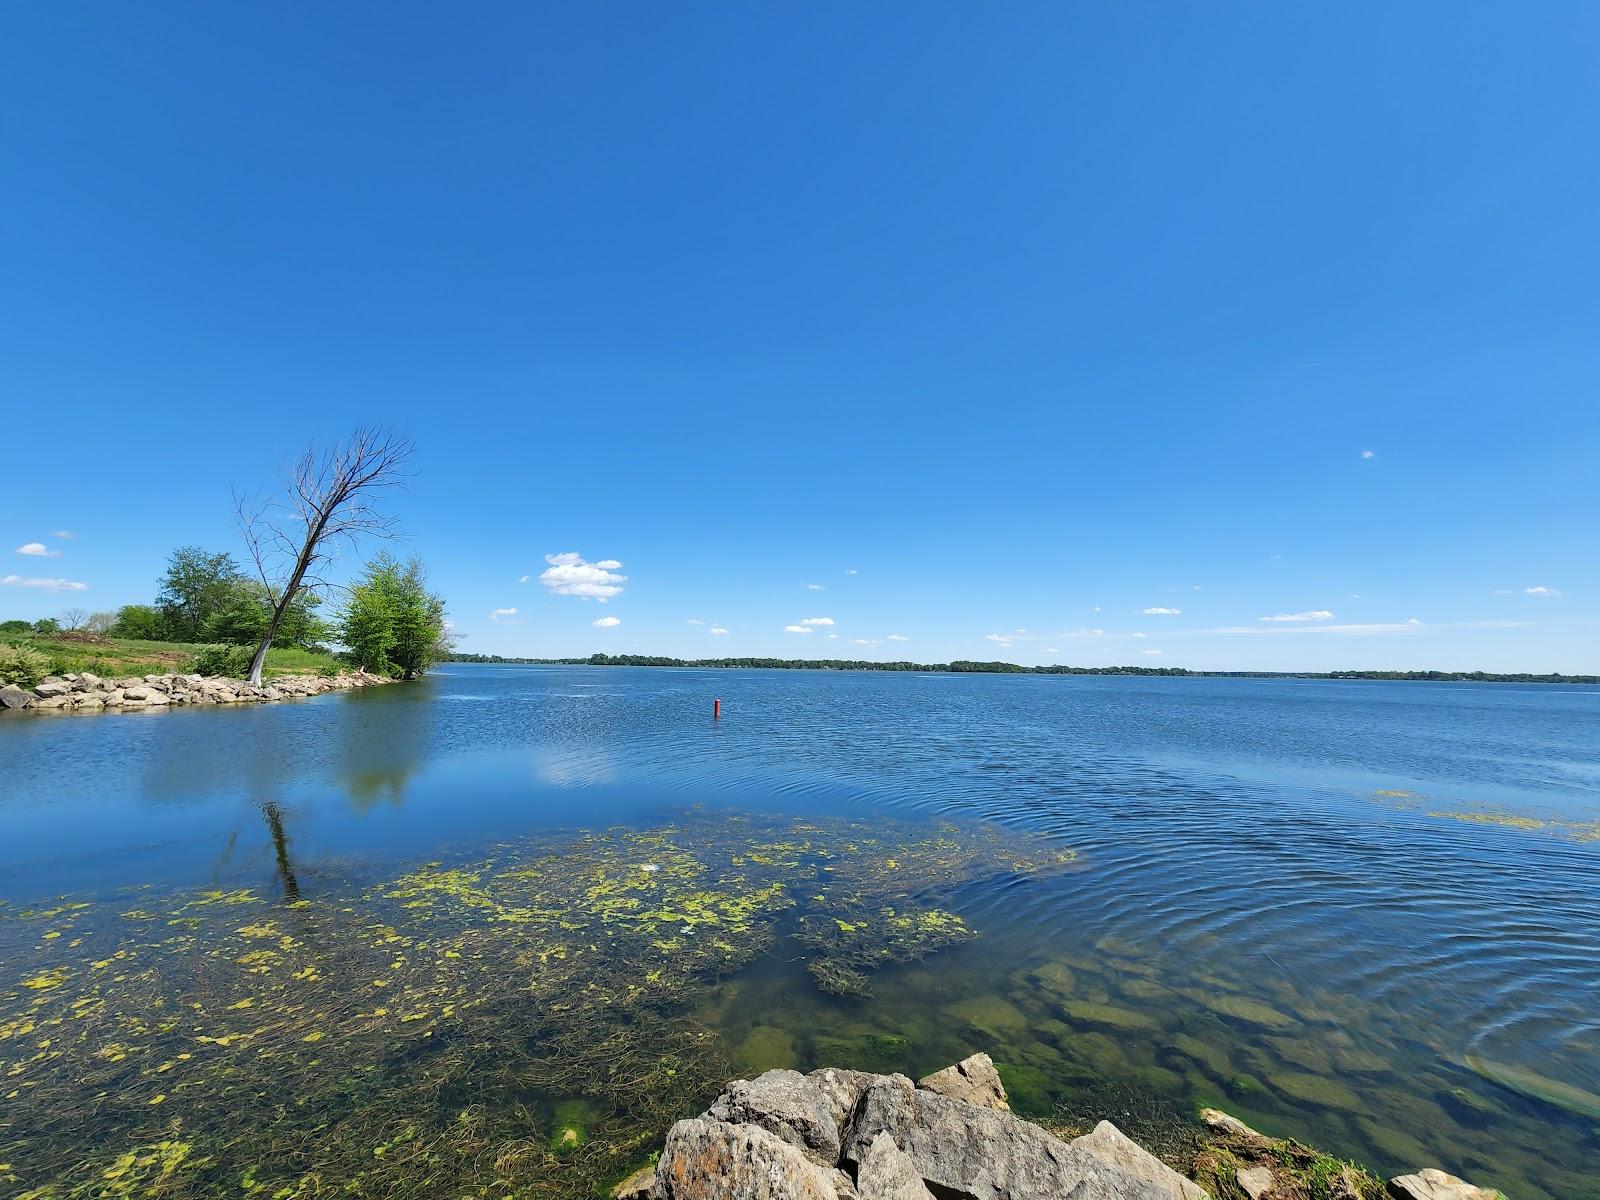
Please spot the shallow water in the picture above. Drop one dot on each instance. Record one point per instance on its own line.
(1365, 914)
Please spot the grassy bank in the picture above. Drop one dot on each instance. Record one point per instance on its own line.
(81, 652)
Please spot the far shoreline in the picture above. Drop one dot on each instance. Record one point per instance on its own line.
(963, 667)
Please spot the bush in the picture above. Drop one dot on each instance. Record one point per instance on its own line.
(232, 661)
(140, 622)
(22, 665)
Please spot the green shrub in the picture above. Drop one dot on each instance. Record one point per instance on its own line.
(232, 661)
(22, 665)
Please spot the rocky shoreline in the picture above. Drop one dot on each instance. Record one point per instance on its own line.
(93, 693)
(838, 1134)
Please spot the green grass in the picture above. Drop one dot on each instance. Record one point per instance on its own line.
(127, 656)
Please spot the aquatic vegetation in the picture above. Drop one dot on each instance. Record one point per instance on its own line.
(520, 1024)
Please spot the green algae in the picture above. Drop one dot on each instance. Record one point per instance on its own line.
(1110, 1016)
(766, 1048)
(1250, 1012)
(991, 1014)
(1531, 1083)
(523, 1023)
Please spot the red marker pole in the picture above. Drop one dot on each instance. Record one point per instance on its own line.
(716, 710)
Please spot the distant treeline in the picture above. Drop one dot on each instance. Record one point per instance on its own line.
(964, 666)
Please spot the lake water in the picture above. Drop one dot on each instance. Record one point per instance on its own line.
(1363, 914)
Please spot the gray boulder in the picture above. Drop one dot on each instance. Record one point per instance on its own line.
(12, 696)
(136, 692)
(887, 1105)
(712, 1160)
(52, 687)
(1127, 1160)
(1434, 1184)
(842, 1088)
(1254, 1182)
(784, 1103)
(637, 1186)
(887, 1173)
(972, 1079)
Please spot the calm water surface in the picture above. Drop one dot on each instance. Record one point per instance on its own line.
(1365, 914)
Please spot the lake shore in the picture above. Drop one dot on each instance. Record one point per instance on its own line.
(838, 1133)
(86, 692)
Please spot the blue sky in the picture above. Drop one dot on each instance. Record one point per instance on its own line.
(996, 328)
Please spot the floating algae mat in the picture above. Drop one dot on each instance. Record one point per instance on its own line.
(515, 1025)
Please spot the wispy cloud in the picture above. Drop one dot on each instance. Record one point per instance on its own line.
(1163, 612)
(524, 578)
(569, 575)
(1369, 454)
(606, 622)
(813, 587)
(1151, 653)
(1315, 614)
(1376, 629)
(503, 616)
(897, 637)
(796, 629)
(717, 630)
(864, 641)
(66, 535)
(1542, 591)
(48, 585)
(999, 639)
(1051, 650)
(851, 571)
(38, 550)
(696, 621)
(817, 621)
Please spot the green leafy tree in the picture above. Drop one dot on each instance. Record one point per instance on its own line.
(143, 622)
(47, 626)
(392, 624)
(196, 586)
(245, 613)
(15, 626)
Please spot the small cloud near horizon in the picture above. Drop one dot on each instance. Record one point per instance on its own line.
(796, 629)
(1541, 591)
(1315, 614)
(814, 587)
(48, 585)
(570, 575)
(716, 629)
(897, 637)
(1151, 653)
(817, 621)
(606, 622)
(37, 550)
(1163, 612)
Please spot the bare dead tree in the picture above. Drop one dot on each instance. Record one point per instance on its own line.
(74, 619)
(327, 498)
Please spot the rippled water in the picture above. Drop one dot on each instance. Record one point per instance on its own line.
(1366, 914)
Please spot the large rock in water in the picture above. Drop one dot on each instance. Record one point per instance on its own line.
(962, 1150)
(972, 1079)
(784, 1103)
(1434, 1184)
(12, 696)
(712, 1160)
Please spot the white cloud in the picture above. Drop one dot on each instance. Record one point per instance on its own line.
(49, 585)
(1369, 454)
(696, 621)
(1413, 621)
(501, 614)
(814, 587)
(796, 629)
(66, 535)
(1097, 608)
(897, 637)
(1051, 650)
(607, 622)
(851, 571)
(1394, 628)
(569, 575)
(1163, 612)
(1137, 635)
(833, 637)
(864, 641)
(1151, 653)
(717, 629)
(998, 639)
(38, 550)
(1315, 614)
(1541, 591)
(817, 621)
(524, 578)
